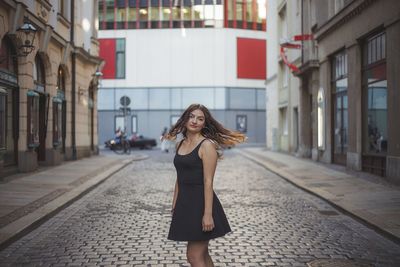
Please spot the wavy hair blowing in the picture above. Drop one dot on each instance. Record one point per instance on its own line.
(212, 130)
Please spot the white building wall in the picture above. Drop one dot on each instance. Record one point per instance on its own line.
(167, 58)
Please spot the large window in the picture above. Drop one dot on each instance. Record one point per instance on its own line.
(145, 14)
(375, 136)
(375, 91)
(340, 107)
(120, 59)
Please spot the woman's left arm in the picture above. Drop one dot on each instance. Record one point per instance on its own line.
(209, 156)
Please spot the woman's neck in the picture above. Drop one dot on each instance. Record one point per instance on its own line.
(193, 137)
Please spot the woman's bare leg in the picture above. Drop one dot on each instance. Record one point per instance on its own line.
(197, 254)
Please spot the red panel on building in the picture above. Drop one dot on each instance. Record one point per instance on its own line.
(251, 58)
(107, 52)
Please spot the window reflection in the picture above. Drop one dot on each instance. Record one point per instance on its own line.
(145, 14)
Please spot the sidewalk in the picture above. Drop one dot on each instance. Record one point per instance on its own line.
(26, 200)
(375, 203)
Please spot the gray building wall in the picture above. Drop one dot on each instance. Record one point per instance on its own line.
(249, 102)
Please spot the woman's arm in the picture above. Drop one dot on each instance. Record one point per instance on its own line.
(175, 196)
(209, 156)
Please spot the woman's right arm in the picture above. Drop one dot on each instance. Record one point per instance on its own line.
(175, 196)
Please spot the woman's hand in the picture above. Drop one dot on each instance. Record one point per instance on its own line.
(208, 223)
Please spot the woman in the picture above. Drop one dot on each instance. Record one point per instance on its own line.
(197, 214)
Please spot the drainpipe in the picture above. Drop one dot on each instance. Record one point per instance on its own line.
(73, 80)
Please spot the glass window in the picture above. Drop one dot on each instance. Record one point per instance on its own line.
(109, 14)
(187, 10)
(321, 118)
(198, 12)
(239, 10)
(3, 118)
(242, 98)
(230, 10)
(132, 14)
(204, 96)
(375, 95)
(340, 106)
(249, 11)
(155, 10)
(159, 98)
(377, 117)
(261, 99)
(120, 59)
(57, 112)
(33, 119)
(134, 124)
(106, 99)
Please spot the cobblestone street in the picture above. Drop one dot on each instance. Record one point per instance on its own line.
(125, 221)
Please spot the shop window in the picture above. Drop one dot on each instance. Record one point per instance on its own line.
(33, 119)
(375, 134)
(340, 107)
(375, 92)
(3, 118)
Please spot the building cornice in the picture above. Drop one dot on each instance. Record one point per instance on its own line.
(307, 67)
(346, 14)
(85, 55)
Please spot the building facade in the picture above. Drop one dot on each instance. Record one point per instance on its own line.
(161, 56)
(284, 22)
(47, 97)
(349, 97)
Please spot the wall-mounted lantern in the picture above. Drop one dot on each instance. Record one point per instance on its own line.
(26, 34)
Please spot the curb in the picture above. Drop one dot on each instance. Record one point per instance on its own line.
(289, 178)
(31, 221)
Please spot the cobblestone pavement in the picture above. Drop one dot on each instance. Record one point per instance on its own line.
(125, 221)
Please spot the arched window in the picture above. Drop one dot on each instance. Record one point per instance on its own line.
(321, 118)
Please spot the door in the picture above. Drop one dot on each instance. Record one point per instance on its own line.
(340, 133)
(41, 150)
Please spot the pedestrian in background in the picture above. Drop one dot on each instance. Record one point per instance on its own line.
(164, 142)
(197, 214)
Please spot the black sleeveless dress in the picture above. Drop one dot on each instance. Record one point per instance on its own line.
(186, 224)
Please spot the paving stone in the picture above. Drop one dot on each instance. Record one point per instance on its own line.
(125, 222)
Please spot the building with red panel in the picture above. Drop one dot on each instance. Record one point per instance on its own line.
(164, 55)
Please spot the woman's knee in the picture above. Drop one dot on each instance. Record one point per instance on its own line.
(196, 254)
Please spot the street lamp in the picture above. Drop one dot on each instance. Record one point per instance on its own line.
(26, 33)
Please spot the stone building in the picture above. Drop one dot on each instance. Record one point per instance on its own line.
(282, 95)
(47, 97)
(349, 96)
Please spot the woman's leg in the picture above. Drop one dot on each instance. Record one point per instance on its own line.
(197, 254)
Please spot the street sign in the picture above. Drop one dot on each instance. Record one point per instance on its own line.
(125, 101)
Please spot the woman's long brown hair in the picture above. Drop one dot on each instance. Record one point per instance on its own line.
(212, 130)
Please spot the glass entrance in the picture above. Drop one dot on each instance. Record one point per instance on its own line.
(340, 128)
(340, 108)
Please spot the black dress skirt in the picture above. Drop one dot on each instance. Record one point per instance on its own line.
(186, 224)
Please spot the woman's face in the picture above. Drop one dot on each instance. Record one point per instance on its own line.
(196, 121)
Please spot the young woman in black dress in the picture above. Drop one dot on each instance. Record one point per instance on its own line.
(197, 214)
